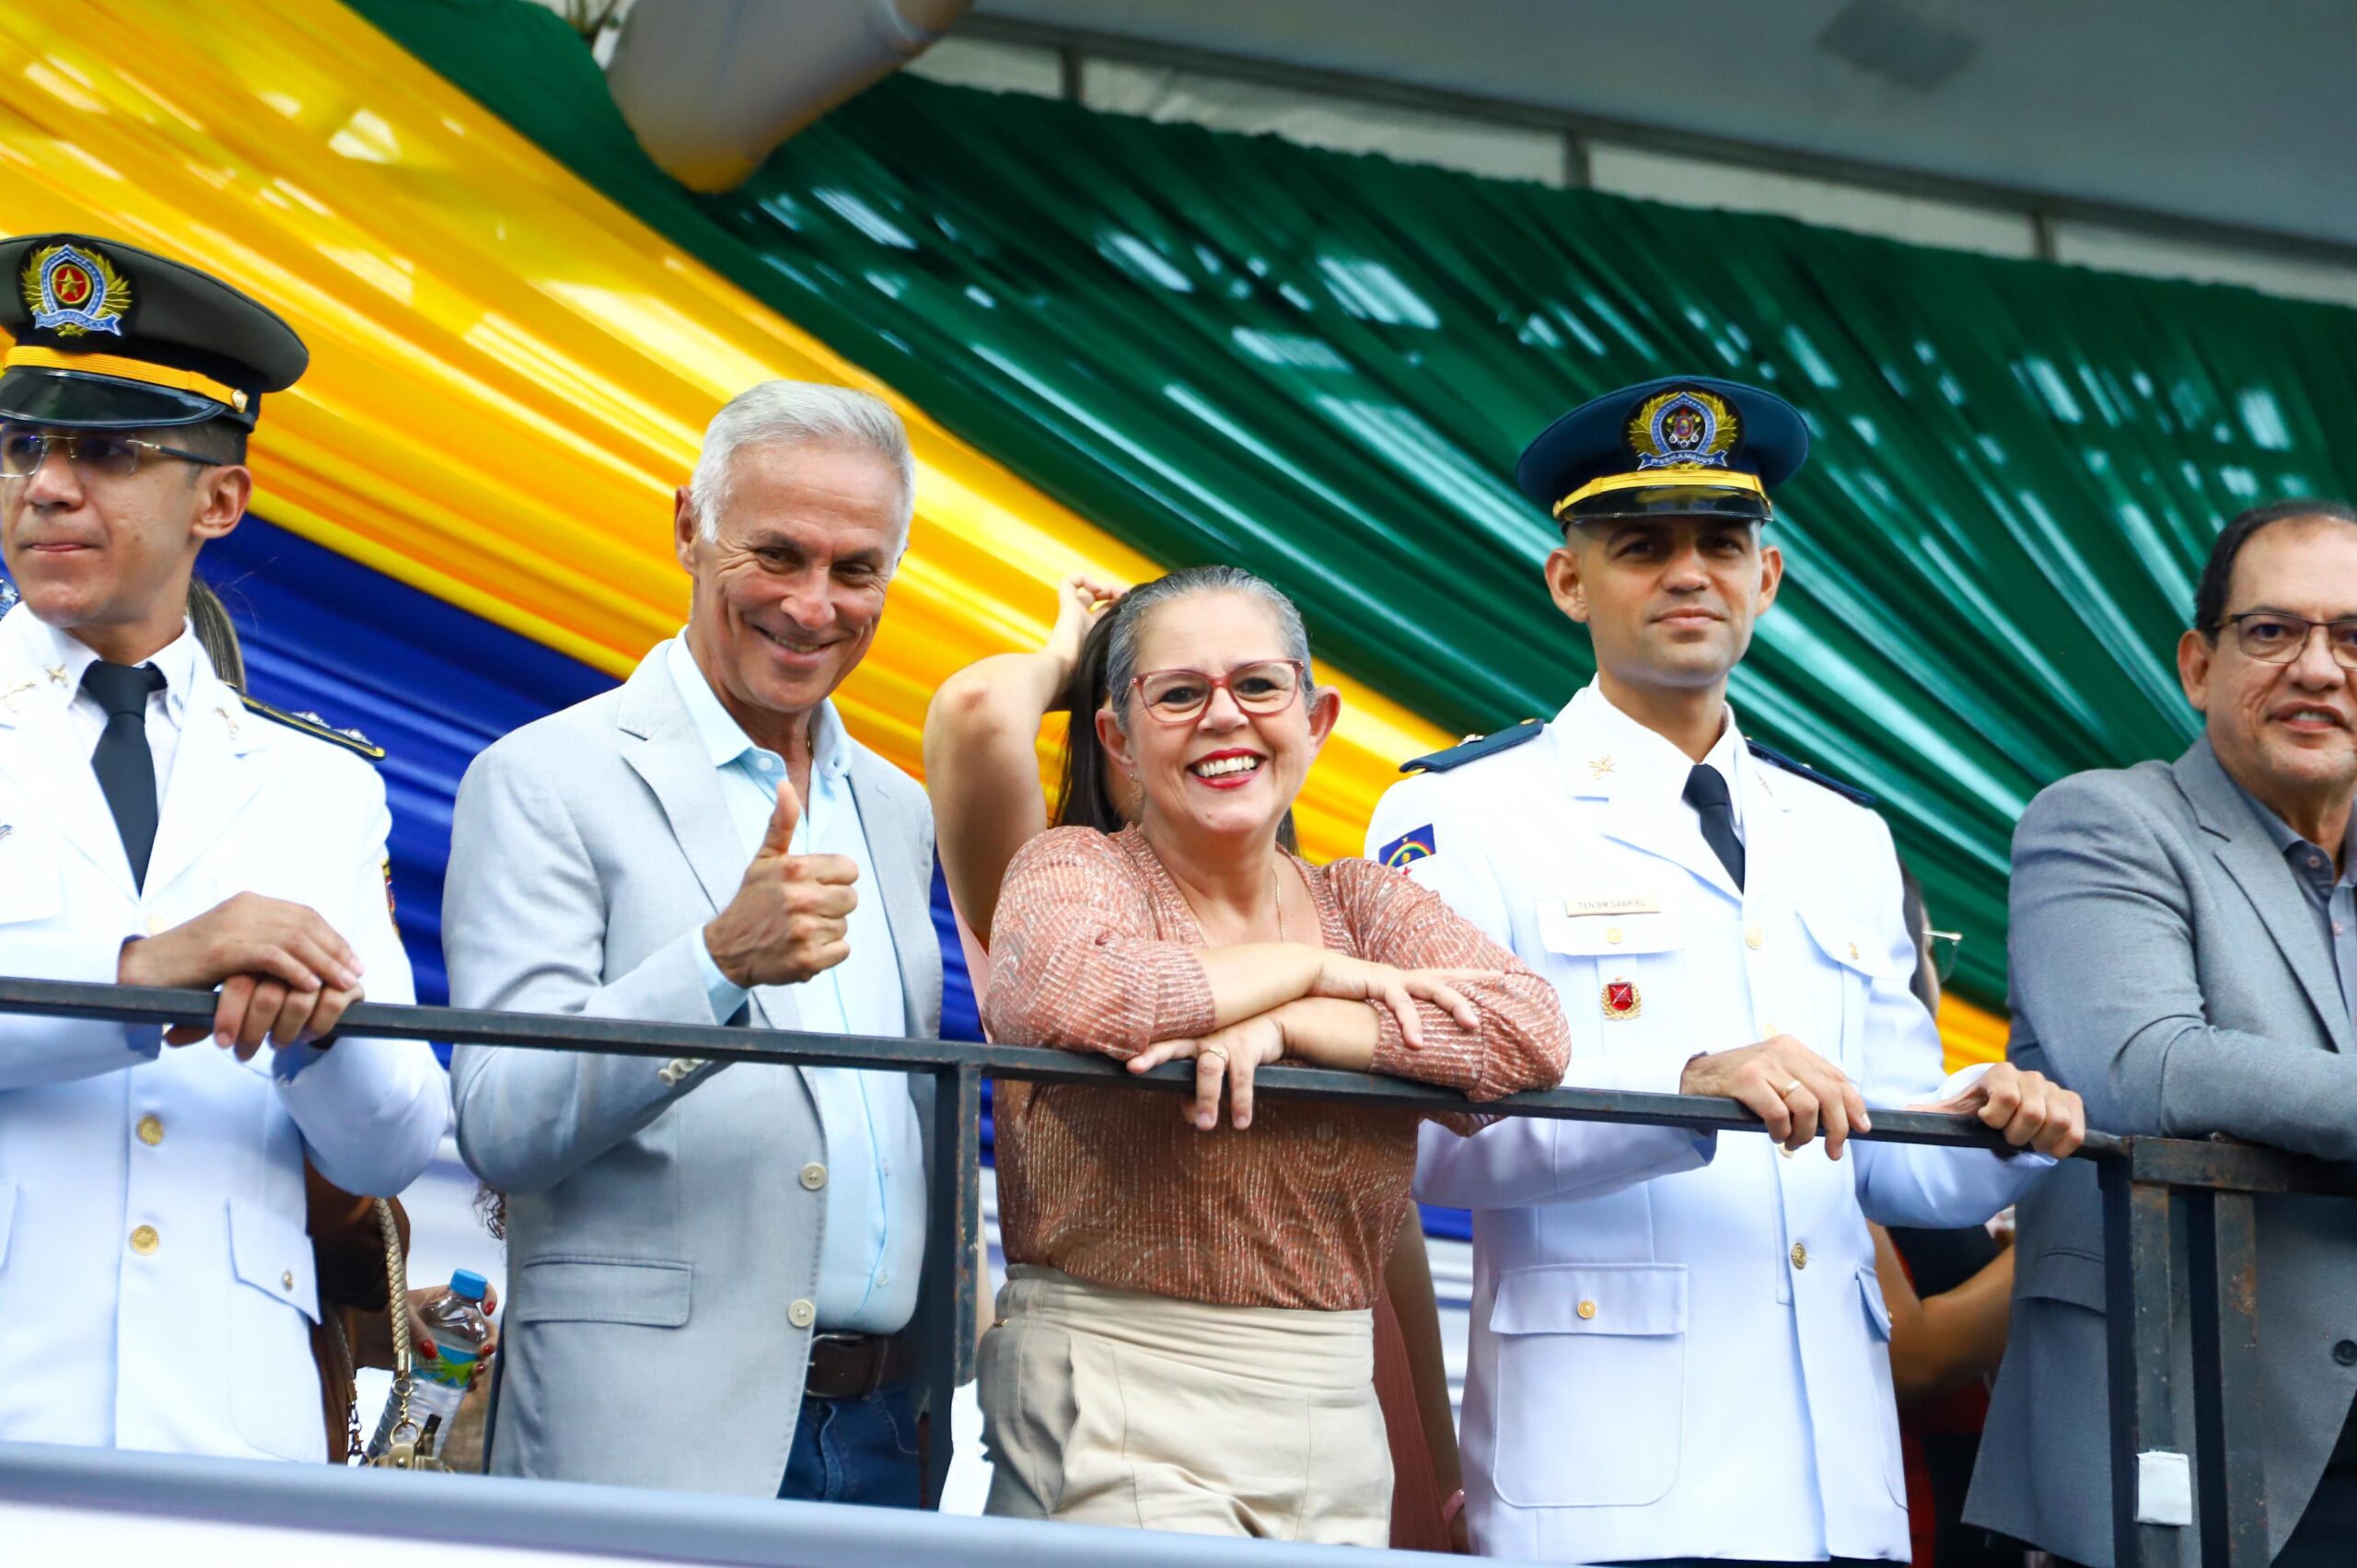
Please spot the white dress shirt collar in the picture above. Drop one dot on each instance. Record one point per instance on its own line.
(724, 739)
(1648, 761)
(59, 659)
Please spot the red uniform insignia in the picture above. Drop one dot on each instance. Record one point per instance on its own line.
(1621, 999)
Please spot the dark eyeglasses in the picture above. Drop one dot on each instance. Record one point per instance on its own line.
(1177, 696)
(1944, 946)
(2272, 637)
(100, 452)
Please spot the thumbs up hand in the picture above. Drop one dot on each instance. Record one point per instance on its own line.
(790, 918)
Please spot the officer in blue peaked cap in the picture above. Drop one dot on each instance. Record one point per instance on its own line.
(1680, 446)
(1716, 919)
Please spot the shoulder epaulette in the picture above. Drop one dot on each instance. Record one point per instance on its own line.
(316, 728)
(1473, 747)
(1846, 791)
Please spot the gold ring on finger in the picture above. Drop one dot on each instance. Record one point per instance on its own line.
(1786, 1092)
(1214, 1053)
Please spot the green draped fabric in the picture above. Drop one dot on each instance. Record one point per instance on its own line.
(1322, 367)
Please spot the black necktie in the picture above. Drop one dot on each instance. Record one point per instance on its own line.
(126, 768)
(1706, 792)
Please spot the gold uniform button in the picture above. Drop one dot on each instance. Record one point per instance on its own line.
(814, 1175)
(151, 1131)
(1853, 952)
(1612, 935)
(1754, 937)
(1800, 1256)
(1587, 1310)
(143, 1240)
(155, 926)
(286, 1280)
(802, 1314)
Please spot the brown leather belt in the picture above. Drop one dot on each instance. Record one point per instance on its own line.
(851, 1367)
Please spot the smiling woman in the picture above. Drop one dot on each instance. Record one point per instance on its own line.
(1245, 1256)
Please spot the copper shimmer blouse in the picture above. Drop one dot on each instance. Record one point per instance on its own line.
(1094, 949)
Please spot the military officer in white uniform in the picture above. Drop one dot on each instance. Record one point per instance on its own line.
(1694, 1366)
(155, 1283)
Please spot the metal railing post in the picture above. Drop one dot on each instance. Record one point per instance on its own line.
(952, 1225)
(2229, 1442)
(2140, 1292)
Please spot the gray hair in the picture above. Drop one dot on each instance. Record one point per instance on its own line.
(800, 414)
(1139, 603)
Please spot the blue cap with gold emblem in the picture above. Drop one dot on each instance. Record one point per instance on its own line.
(111, 337)
(1684, 445)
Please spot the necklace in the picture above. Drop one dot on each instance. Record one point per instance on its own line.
(1279, 896)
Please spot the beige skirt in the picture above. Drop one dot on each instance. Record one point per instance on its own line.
(1115, 1407)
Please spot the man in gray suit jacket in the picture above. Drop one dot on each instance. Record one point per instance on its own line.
(2184, 954)
(712, 1269)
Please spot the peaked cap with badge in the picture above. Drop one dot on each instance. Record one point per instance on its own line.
(111, 337)
(1681, 447)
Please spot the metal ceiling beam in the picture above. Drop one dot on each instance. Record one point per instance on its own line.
(2040, 208)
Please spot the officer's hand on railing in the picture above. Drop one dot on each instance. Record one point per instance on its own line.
(1347, 978)
(1787, 1086)
(284, 973)
(2031, 1110)
(790, 915)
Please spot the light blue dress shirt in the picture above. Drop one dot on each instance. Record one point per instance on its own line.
(872, 1240)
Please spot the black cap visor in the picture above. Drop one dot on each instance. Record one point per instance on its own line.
(68, 399)
(1669, 501)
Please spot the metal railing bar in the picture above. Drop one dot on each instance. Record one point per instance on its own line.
(556, 1031)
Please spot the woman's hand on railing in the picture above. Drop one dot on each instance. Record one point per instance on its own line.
(1231, 1054)
(1347, 978)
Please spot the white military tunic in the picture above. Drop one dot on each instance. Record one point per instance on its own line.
(155, 1280)
(1695, 1364)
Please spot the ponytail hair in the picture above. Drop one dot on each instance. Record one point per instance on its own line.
(1084, 797)
(215, 633)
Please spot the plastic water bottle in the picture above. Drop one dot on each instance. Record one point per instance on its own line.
(437, 1385)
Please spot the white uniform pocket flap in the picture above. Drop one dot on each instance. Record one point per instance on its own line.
(30, 879)
(1847, 940)
(1592, 1298)
(1584, 935)
(271, 1252)
(1878, 1306)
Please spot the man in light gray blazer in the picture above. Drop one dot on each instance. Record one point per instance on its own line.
(2184, 954)
(714, 1269)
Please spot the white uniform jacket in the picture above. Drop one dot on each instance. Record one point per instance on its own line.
(156, 1282)
(1697, 1363)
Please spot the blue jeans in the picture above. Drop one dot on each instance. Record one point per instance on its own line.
(857, 1451)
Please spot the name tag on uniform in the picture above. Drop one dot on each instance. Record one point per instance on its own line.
(1623, 905)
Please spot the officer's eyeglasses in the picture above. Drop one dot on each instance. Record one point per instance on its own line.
(1943, 945)
(2272, 637)
(99, 452)
(1178, 696)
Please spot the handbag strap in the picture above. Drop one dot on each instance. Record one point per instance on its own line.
(402, 1453)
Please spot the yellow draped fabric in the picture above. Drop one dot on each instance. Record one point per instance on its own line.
(510, 374)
